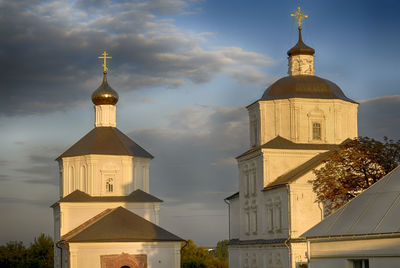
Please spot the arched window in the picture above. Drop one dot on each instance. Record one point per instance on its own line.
(125, 266)
(71, 179)
(316, 131)
(109, 185)
(83, 179)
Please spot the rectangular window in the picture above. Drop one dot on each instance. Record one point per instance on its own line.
(247, 223)
(254, 221)
(359, 263)
(278, 215)
(110, 185)
(246, 183)
(316, 127)
(253, 182)
(270, 219)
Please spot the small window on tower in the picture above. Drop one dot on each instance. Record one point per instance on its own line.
(110, 185)
(316, 127)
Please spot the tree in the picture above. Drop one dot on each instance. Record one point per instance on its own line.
(354, 167)
(41, 252)
(198, 257)
(221, 251)
(13, 254)
(39, 255)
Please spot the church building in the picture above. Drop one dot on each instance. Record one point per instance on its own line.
(293, 126)
(106, 216)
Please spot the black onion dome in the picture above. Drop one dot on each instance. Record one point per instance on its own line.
(304, 86)
(104, 94)
(300, 48)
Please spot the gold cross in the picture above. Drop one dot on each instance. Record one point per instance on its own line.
(299, 17)
(105, 54)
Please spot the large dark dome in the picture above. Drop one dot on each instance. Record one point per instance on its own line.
(304, 86)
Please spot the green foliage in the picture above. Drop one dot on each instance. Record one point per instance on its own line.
(39, 255)
(357, 165)
(199, 257)
(221, 251)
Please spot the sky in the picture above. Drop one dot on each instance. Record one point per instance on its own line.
(184, 71)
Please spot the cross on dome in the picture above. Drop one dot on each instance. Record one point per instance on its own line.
(105, 57)
(299, 16)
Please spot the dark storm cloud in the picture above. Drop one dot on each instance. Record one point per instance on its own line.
(380, 117)
(49, 56)
(14, 200)
(41, 169)
(4, 177)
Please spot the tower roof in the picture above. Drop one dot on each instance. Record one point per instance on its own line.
(137, 196)
(119, 225)
(304, 86)
(300, 48)
(106, 141)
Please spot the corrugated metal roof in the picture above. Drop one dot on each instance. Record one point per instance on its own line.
(281, 143)
(107, 141)
(375, 211)
(138, 195)
(119, 225)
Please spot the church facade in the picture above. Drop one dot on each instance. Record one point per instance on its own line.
(297, 121)
(106, 216)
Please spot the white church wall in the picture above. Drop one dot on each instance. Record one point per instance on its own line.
(74, 214)
(234, 220)
(250, 198)
(159, 254)
(373, 262)
(298, 251)
(380, 252)
(279, 162)
(258, 256)
(305, 212)
(274, 214)
(293, 119)
(141, 176)
(93, 174)
(105, 116)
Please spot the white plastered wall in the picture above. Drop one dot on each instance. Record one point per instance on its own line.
(292, 119)
(277, 162)
(234, 220)
(159, 254)
(89, 173)
(381, 252)
(105, 116)
(258, 256)
(74, 214)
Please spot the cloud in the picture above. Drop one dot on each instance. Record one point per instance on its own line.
(49, 58)
(15, 200)
(193, 150)
(379, 117)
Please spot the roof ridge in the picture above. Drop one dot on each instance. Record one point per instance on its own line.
(120, 133)
(119, 140)
(87, 223)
